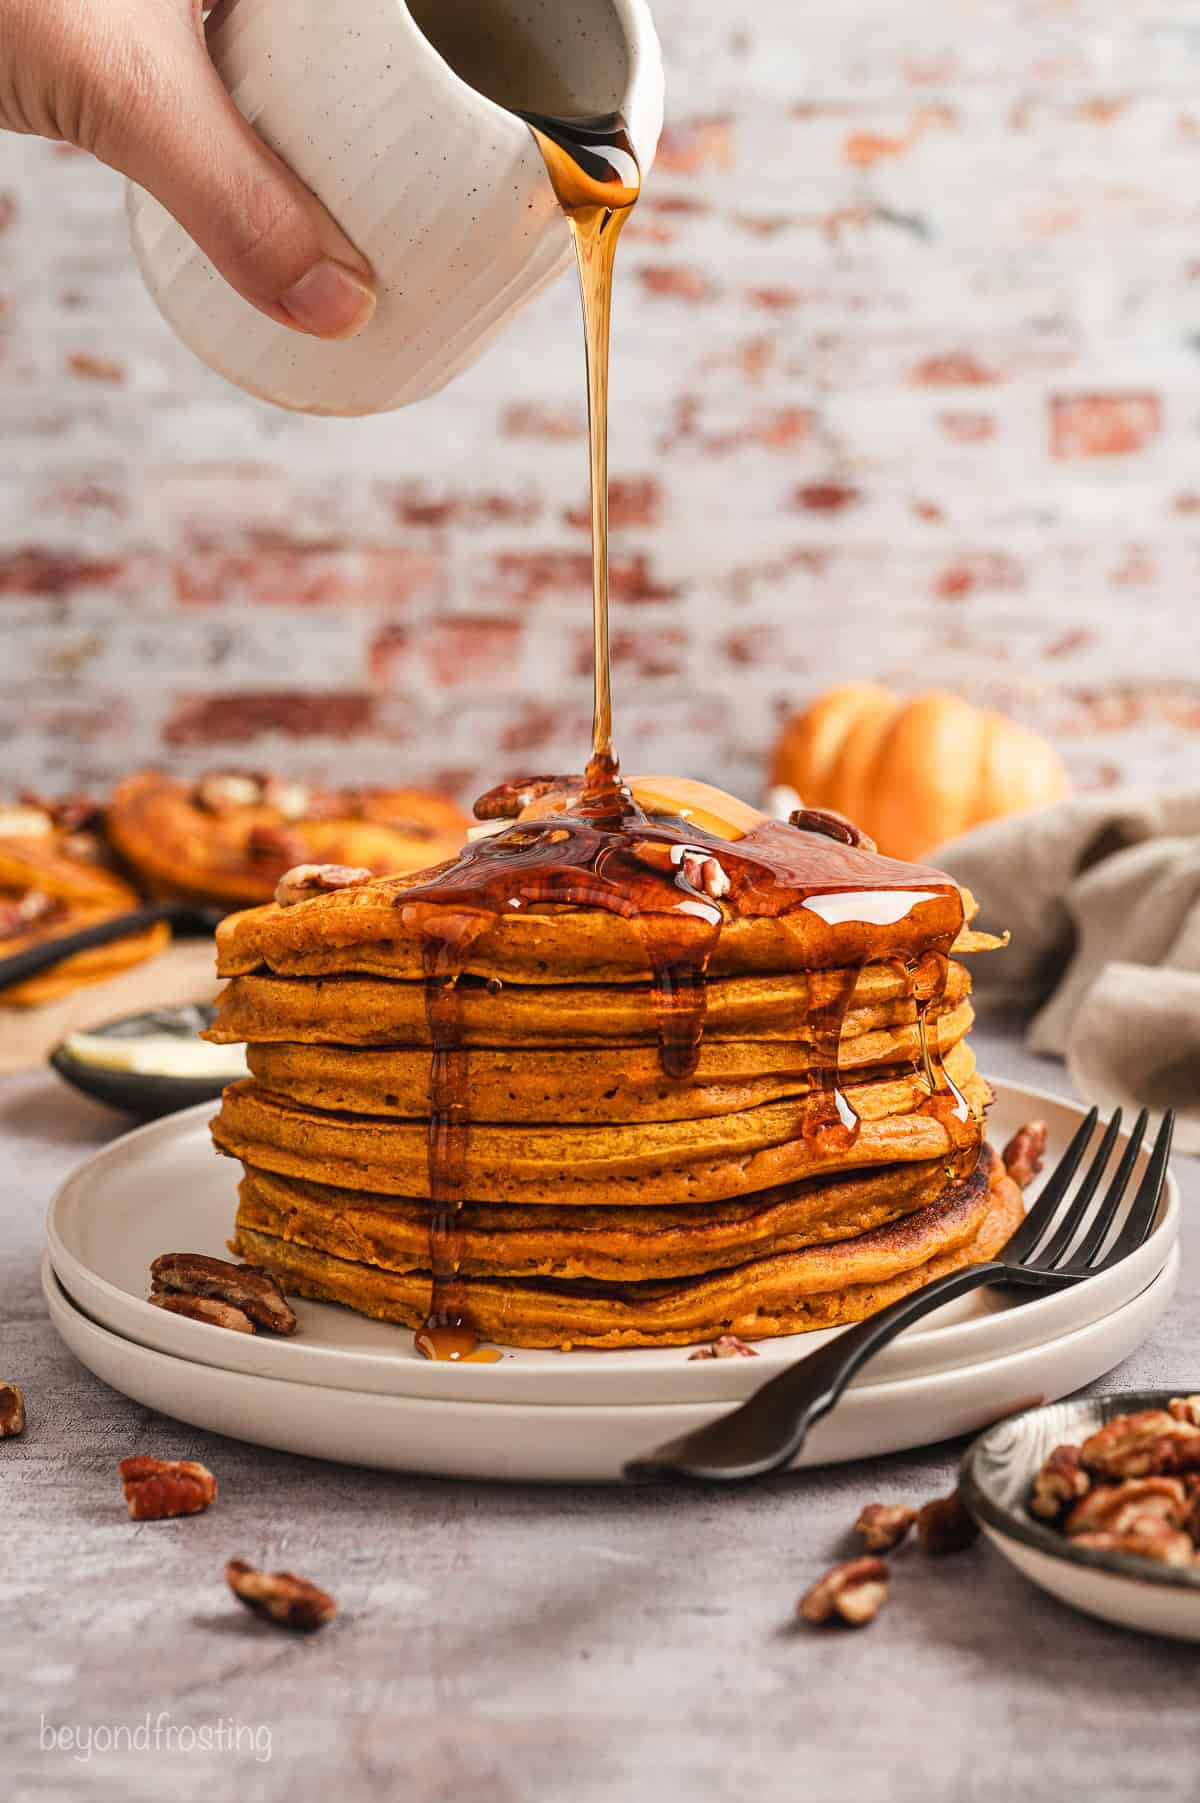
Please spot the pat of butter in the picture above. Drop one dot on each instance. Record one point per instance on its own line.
(158, 1055)
(702, 805)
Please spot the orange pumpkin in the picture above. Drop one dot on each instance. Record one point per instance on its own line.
(914, 773)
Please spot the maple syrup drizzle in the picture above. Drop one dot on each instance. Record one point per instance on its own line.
(670, 879)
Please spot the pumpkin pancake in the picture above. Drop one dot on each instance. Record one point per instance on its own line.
(632, 1164)
(45, 892)
(618, 1244)
(589, 1085)
(229, 837)
(790, 1292)
(375, 1011)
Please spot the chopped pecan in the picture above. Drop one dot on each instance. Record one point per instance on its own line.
(12, 1412)
(1147, 1444)
(156, 1489)
(1185, 1408)
(946, 1526)
(833, 825)
(853, 1592)
(245, 1287)
(1148, 1539)
(882, 1526)
(1122, 1508)
(1061, 1482)
(224, 791)
(705, 874)
(508, 800)
(1023, 1156)
(203, 1308)
(306, 880)
(728, 1346)
(275, 845)
(280, 1596)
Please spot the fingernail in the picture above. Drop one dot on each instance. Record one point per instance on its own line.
(330, 301)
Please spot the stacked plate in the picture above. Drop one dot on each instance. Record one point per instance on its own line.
(355, 1390)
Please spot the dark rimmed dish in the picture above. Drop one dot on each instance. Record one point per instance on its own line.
(997, 1472)
(144, 1095)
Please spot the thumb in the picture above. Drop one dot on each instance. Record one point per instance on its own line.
(185, 142)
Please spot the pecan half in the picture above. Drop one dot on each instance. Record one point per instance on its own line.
(946, 1526)
(882, 1526)
(832, 825)
(246, 1287)
(203, 1308)
(853, 1592)
(12, 1412)
(1149, 1539)
(1147, 1444)
(276, 845)
(508, 800)
(156, 1489)
(1122, 1508)
(1024, 1154)
(1061, 1482)
(705, 874)
(728, 1346)
(304, 881)
(1185, 1408)
(280, 1596)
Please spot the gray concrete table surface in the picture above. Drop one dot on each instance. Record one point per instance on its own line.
(511, 1643)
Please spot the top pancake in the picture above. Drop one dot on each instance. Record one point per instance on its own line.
(869, 908)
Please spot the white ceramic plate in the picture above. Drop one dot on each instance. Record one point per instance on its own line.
(997, 1473)
(161, 1189)
(540, 1442)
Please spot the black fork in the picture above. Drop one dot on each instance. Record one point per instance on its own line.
(769, 1429)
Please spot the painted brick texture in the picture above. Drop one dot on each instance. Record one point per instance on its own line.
(907, 353)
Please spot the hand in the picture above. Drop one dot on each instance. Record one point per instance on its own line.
(131, 81)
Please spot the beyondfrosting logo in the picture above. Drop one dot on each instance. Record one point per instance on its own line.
(155, 1734)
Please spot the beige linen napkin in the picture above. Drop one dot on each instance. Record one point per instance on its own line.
(1102, 898)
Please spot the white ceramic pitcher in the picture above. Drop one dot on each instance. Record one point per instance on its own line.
(440, 187)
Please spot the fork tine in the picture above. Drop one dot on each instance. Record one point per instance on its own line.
(1097, 1233)
(1144, 1207)
(1069, 1227)
(1024, 1240)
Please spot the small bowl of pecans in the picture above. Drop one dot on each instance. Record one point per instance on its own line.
(1098, 1501)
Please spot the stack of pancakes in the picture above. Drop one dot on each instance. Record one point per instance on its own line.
(608, 1204)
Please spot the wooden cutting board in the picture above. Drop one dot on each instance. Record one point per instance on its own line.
(185, 972)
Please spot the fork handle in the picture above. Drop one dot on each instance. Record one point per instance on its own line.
(769, 1429)
(18, 967)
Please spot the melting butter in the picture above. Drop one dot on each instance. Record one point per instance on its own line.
(871, 907)
(158, 1055)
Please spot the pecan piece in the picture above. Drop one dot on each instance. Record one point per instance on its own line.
(203, 1308)
(946, 1525)
(1150, 1443)
(882, 1526)
(832, 825)
(1023, 1156)
(306, 880)
(1122, 1508)
(853, 1592)
(12, 1412)
(508, 800)
(705, 874)
(1147, 1539)
(276, 845)
(156, 1489)
(1185, 1408)
(728, 1346)
(1061, 1482)
(244, 1287)
(280, 1596)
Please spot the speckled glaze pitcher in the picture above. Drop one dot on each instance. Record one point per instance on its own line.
(397, 116)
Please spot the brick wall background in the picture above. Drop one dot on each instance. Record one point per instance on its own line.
(906, 385)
